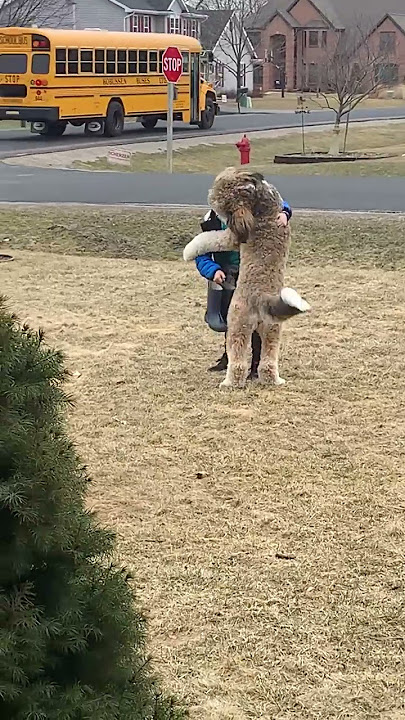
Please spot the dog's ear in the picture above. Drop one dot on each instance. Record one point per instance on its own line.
(257, 177)
(241, 223)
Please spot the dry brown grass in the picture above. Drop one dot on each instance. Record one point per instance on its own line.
(274, 101)
(209, 490)
(384, 138)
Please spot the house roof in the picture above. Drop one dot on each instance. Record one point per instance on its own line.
(159, 5)
(363, 12)
(266, 13)
(213, 27)
(399, 20)
(339, 13)
(153, 5)
(330, 11)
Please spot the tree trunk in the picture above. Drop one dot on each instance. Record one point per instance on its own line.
(346, 132)
(335, 142)
(282, 81)
(238, 83)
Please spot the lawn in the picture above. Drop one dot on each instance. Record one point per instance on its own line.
(387, 138)
(264, 527)
(274, 101)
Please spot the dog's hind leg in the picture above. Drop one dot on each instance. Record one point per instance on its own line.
(238, 346)
(268, 367)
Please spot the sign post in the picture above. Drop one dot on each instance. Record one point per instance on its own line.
(172, 65)
(170, 104)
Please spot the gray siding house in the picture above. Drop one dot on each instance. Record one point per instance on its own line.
(169, 16)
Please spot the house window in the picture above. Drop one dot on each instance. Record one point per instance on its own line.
(313, 38)
(388, 74)
(189, 27)
(173, 25)
(140, 23)
(387, 42)
(219, 75)
(183, 26)
(324, 38)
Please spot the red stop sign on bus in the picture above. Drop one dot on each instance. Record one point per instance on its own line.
(172, 63)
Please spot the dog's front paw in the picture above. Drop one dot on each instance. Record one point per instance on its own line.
(279, 381)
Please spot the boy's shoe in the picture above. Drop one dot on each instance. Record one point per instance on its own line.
(221, 365)
(253, 375)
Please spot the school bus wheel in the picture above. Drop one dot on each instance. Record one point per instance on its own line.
(149, 122)
(55, 129)
(94, 127)
(114, 122)
(207, 115)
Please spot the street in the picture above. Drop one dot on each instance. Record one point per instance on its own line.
(19, 184)
(20, 142)
(27, 184)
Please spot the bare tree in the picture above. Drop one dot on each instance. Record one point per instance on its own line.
(352, 70)
(234, 45)
(43, 13)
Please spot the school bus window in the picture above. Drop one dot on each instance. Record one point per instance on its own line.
(122, 62)
(110, 62)
(133, 62)
(86, 61)
(160, 61)
(73, 62)
(40, 64)
(13, 63)
(99, 64)
(153, 61)
(143, 62)
(60, 61)
(186, 63)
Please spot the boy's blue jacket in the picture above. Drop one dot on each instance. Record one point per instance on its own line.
(208, 264)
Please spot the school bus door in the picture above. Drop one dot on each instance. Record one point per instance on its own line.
(194, 88)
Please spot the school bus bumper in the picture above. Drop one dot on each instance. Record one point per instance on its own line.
(30, 114)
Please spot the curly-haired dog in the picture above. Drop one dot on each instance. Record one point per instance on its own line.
(249, 205)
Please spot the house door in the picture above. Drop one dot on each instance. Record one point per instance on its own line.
(195, 88)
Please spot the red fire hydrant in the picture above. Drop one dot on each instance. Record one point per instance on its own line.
(244, 149)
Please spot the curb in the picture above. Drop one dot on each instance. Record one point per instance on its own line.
(136, 207)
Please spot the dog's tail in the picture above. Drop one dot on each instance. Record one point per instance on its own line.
(286, 305)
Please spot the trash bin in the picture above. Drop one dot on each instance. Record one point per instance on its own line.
(241, 96)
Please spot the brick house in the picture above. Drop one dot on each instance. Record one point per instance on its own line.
(291, 38)
(389, 37)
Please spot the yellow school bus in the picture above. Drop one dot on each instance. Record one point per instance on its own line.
(94, 78)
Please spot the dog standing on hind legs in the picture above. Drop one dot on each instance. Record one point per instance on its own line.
(249, 205)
